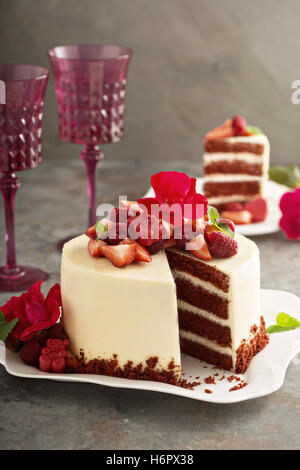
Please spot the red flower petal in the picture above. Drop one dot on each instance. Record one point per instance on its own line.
(290, 224)
(170, 186)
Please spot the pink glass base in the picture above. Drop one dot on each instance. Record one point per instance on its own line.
(20, 278)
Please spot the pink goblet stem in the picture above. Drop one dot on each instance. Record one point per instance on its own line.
(91, 155)
(9, 184)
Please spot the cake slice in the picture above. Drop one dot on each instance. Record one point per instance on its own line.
(236, 164)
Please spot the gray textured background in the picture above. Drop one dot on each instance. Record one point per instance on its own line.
(195, 63)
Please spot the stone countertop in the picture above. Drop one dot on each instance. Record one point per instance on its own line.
(34, 414)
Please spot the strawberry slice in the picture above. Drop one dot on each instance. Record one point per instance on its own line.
(91, 233)
(95, 248)
(258, 209)
(209, 229)
(141, 253)
(198, 247)
(120, 255)
(221, 132)
(132, 207)
(239, 218)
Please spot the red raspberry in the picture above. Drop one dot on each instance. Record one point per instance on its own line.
(56, 344)
(57, 331)
(30, 352)
(119, 214)
(54, 355)
(234, 207)
(239, 125)
(230, 224)
(156, 247)
(59, 365)
(45, 363)
(221, 245)
(117, 233)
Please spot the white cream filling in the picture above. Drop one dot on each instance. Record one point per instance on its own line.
(246, 157)
(199, 283)
(206, 342)
(225, 199)
(203, 313)
(228, 178)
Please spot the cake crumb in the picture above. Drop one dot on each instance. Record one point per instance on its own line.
(208, 391)
(238, 386)
(210, 380)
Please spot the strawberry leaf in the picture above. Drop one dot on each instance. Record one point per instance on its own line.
(5, 326)
(284, 322)
(213, 216)
(254, 130)
(100, 229)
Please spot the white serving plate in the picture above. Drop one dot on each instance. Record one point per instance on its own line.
(264, 375)
(274, 191)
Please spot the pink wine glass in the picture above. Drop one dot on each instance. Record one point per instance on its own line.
(90, 83)
(22, 92)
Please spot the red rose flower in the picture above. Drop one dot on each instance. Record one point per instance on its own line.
(35, 313)
(173, 187)
(290, 208)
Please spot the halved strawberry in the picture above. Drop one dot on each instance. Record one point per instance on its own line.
(258, 209)
(120, 255)
(209, 229)
(132, 206)
(221, 132)
(95, 248)
(199, 248)
(239, 218)
(141, 253)
(91, 233)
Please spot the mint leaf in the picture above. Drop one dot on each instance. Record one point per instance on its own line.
(214, 215)
(5, 326)
(100, 229)
(286, 175)
(254, 130)
(226, 229)
(284, 322)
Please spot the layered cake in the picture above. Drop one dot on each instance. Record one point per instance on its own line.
(131, 306)
(236, 164)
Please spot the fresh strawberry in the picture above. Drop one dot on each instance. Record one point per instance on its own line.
(258, 209)
(239, 218)
(95, 248)
(239, 125)
(221, 245)
(233, 207)
(30, 352)
(198, 247)
(141, 253)
(120, 255)
(221, 132)
(229, 223)
(209, 229)
(91, 233)
(132, 206)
